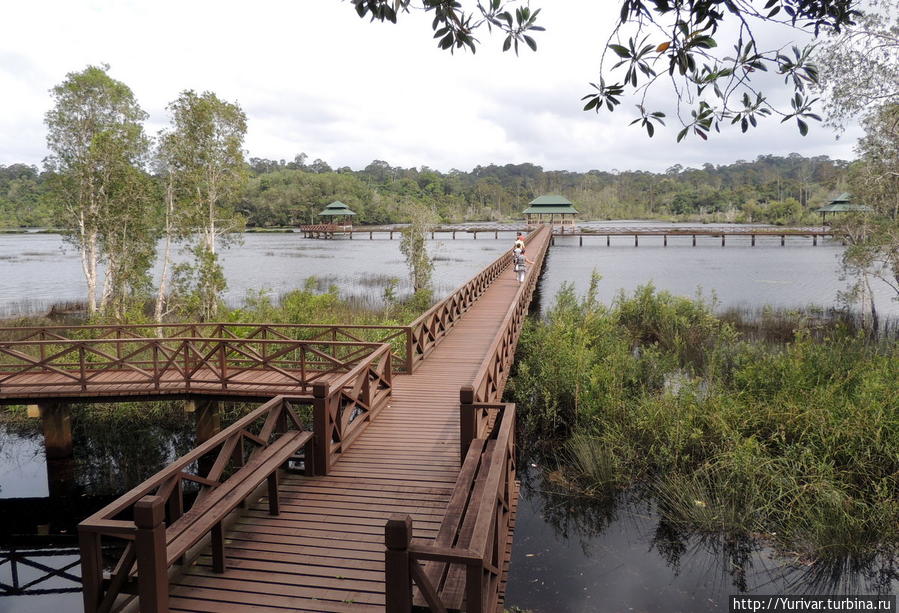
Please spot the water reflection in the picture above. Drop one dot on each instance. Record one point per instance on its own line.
(574, 554)
(42, 501)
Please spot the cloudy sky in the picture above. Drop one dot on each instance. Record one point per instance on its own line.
(313, 77)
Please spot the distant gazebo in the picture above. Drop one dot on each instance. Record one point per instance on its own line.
(338, 214)
(842, 204)
(553, 209)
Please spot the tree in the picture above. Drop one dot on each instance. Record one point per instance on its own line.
(205, 172)
(414, 247)
(873, 251)
(860, 65)
(675, 39)
(97, 145)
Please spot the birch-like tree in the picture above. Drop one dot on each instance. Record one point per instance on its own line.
(97, 144)
(202, 160)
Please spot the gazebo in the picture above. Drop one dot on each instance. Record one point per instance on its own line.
(842, 204)
(338, 214)
(553, 209)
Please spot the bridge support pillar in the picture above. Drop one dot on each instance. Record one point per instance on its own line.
(208, 416)
(56, 422)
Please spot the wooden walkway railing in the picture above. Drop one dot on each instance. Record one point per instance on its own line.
(331, 383)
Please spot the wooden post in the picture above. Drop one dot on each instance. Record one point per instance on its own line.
(149, 548)
(454, 235)
(467, 420)
(581, 240)
(91, 570)
(782, 240)
(320, 392)
(753, 240)
(814, 240)
(56, 421)
(475, 235)
(474, 588)
(722, 238)
(217, 545)
(391, 235)
(397, 564)
(371, 236)
(636, 240)
(608, 240)
(694, 240)
(496, 234)
(664, 240)
(274, 503)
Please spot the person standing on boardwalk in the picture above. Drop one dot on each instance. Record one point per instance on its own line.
(520, 263)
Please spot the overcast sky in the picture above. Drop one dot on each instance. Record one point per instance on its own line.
(312, 77)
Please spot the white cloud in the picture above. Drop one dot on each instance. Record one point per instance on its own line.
(315, 78)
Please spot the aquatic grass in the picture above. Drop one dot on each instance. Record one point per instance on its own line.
(796, 443)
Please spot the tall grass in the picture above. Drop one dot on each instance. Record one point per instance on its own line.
(796, 442)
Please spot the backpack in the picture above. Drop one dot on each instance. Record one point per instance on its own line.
(518, 259)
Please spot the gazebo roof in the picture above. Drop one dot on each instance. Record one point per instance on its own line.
(843, 204)
(550, 203)
(844, 208)
(336, 208)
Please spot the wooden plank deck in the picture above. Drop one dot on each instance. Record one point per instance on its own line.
(325, 551)
(257, 383)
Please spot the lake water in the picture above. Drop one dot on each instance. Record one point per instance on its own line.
(37, 270)
(570, 555)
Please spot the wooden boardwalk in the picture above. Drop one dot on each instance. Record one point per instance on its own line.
(325, 551)
(406, 492)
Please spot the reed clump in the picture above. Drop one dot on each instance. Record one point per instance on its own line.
(794, 442)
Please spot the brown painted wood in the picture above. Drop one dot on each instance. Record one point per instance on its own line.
(324, 550)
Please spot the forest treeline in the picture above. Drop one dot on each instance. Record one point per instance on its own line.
(773, 189)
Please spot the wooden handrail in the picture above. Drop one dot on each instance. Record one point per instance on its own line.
(180, 362)
(164, 524)
(464, 564)
(399, 337)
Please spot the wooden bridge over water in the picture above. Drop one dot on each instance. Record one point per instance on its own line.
(745, 233)
(378, 474)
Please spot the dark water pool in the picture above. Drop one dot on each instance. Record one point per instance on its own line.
(575, 554)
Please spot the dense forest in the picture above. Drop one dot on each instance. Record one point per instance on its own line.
(771, 189)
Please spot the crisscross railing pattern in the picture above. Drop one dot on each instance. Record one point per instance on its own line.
(274, 430)
(85, 366)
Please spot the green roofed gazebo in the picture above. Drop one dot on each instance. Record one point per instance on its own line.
(842, 204)
(553, 209)
(337, 213)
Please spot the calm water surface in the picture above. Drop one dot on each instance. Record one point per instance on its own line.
(37, 270)
(569, 555)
